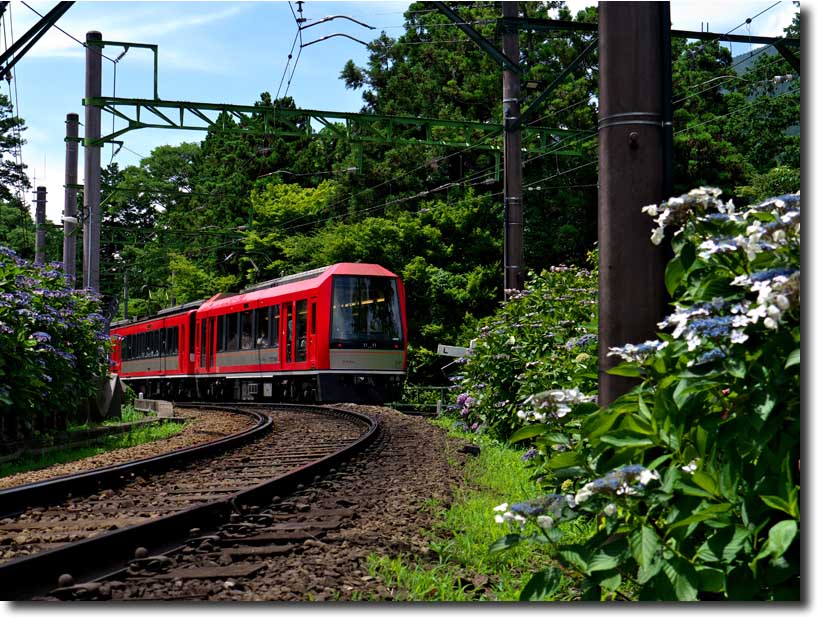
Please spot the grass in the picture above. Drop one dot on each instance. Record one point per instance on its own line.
(464, 570)
(136, 436)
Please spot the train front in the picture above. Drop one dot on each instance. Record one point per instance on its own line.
(367, 335)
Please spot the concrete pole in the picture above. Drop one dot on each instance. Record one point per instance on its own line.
(631, 285)
(72, 122)
(512, 166)
(91, 193)
(40, 226)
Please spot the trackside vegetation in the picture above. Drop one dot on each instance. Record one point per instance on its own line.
(693, 477)
(53, 347)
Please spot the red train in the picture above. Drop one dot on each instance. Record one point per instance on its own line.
(335, 334)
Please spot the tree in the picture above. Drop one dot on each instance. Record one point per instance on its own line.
(13, 178)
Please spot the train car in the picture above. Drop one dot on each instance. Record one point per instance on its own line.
(154, 355)
(328, 335)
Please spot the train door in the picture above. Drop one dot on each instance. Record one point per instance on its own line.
(211, 347)
(287, 333)
(201, 340)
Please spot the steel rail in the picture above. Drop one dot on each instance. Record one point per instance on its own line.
(17, 498)
(34, 576)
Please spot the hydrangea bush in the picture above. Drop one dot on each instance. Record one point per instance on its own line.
(541, 339)
(53, 346)
(693, 477)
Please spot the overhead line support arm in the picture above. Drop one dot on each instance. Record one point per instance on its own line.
(502, 59)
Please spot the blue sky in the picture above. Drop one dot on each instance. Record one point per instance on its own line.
(229, 52)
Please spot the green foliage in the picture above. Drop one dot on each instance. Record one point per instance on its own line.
(53, 346)
(694, 475)
(542, 339)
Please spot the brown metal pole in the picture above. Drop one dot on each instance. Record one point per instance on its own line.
(91, 193)
(512, 166)
(72, 122)
(40, 226)
(631, 176)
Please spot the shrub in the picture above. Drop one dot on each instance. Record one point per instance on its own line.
(53, 346)
(694, 475)
(541, 339)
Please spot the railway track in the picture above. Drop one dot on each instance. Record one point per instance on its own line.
(139, 511)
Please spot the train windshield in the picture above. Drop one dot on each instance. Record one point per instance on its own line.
(365, 310)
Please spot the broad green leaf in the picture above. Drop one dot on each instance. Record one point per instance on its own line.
(706, 482)
(623, 439)
(779, 539)
(711, 579)
(645, 548)
(683, 577)
(566, 459)
(705, 514)
(609, 580)
(541, 586)
(576, 556)
(631, 370)
(779, 503)
(504, 543)
(674, 273)
(793, 358)
(529, 431)
(605, 559)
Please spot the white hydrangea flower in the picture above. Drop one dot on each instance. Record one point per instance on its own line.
(690, 467)
(610, 509)
(545, 522)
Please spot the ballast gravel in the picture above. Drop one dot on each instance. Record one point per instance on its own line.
(200, 427)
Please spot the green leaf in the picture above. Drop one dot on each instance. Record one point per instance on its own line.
(609, 580)
(705, 514)
(706, 482)
(529, 431)
(609, 556)
(541, 586)
(779, 539)
(711, 579)
(793, 358)
(565, 460)
(645, 548)
(779, 503)
(505, 543)
(625, 439)
(764, 408)
(576, 556)
(674, 273)
(683, 577)
(631, 370)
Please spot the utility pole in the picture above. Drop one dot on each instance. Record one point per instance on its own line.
(40, 226)
(512, 166)
(72, 122)
(91, 193)
(125, 295)
(630, 126)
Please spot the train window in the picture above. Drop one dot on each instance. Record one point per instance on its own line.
(163, 342)
(202, 344)
(175, 340)
(365, 309)
(246, 329)
(232, 332)
(220, 334)
(262, 317)
(301, 330)
(313, 319)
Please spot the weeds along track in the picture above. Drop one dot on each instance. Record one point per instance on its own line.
(152, 505)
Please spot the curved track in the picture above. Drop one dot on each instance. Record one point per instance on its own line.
(90, 536)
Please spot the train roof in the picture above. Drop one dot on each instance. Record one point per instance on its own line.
(164, 313)
(290, 284)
